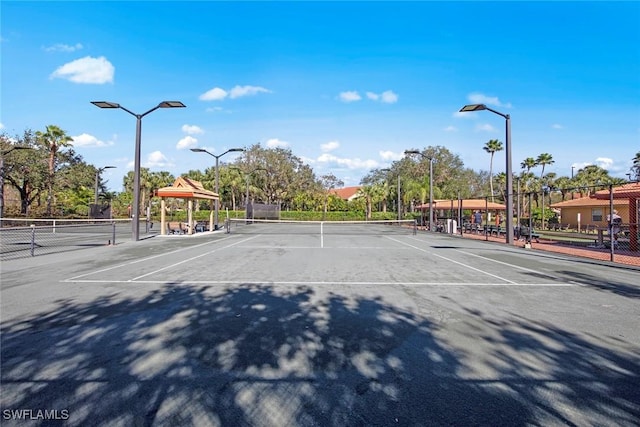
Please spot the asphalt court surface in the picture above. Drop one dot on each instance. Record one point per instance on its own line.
(320, 329)
(303, 259)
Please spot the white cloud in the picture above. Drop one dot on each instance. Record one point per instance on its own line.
(604, 162)
(1, 126)
(485, 128)
(579, 166)
(61, 47)
(479, 98)
(390, 155)
(87, 70)
(239, 91)
(215, 94)
(557, 126)
(329, 146)
(192, 129)
(86, 140)
(215, 109)
(349, 96)
(307, 160)
(218, 94)
(465, 115)
(158, 160)
(186, 142)
(389, 97)
(354, 163)
(276, 143)
(451, 129)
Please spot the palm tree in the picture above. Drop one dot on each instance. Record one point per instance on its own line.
(636, 166)
(52, 141)
(528, 164)
(564, 184)
(491, 147)
(543, 160)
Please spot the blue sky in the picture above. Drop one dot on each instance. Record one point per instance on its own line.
(346, 86)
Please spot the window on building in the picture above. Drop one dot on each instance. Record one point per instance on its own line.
(596, 214)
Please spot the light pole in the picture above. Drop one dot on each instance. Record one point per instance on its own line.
(217, 157)
(509, 195)
(135, 208)
(2, 154)
(424, 156)
(98, 172)
(398, 190)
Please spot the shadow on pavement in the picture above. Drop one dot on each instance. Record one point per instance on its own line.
(259, 356)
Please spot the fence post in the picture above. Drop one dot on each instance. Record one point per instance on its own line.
(33, 239)
(612, 239)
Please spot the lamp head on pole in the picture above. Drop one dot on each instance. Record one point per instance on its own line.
(473, 107)
(105, 104)
(171, 104)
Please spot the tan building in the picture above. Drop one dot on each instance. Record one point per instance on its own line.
(589, 211)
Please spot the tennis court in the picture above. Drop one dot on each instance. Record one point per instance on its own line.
(309, 324)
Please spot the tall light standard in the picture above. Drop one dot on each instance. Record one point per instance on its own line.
(2, 154)
(246, 179)
(98, 172)
(217, 201)
(424, 156)
(509, 193)
(135, 208)
(398, 190)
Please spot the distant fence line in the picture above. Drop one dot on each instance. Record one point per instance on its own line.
(28, 237)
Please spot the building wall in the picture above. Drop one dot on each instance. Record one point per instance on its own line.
(569, 215)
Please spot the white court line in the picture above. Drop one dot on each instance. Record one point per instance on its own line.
(452, 260)
(146, 259)
(518, 267)
(192, 258)
(530, 270)
(263, 283)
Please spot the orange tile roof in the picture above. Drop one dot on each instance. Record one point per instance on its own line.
(346, 193)
(474, 204)
(626, 191)
(187, 188)
(584, 201)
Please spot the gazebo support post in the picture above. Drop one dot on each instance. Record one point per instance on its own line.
(163, 217)
(211, 215)
(190, 216)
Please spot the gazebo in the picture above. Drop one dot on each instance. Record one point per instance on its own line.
(631, 192)
(443, 205)
(185, 188)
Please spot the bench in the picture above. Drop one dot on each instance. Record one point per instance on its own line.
(176, 227)
(529, 234)
(559, 227)
(590, 228)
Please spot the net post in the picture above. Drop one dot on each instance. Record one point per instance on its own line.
(113, 233)
(415, 226)
(33, 239)
(227, 225)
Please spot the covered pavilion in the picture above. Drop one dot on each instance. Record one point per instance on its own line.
(482, 205)
(189, 189)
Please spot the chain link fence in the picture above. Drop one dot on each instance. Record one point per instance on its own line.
(22, 238)
(599, 222)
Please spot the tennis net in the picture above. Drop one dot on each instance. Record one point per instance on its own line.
(346, 228)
